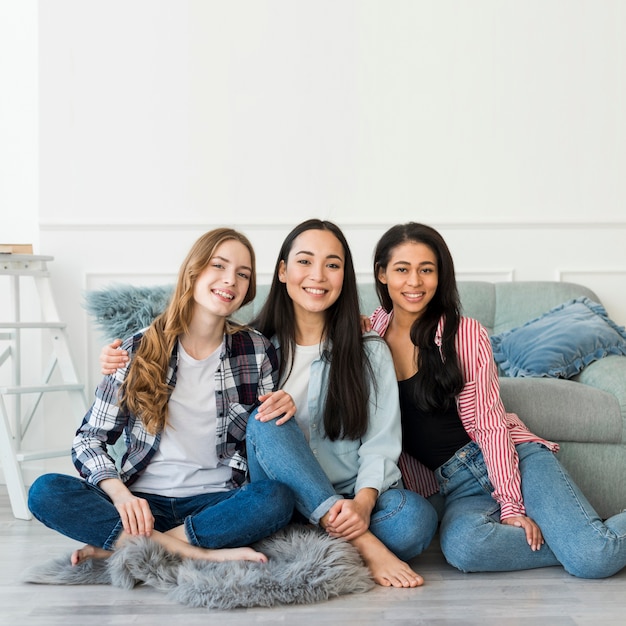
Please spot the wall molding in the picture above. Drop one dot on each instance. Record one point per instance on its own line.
(598, 271)
(164, 226)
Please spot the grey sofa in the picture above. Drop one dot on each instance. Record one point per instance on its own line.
(586, 415)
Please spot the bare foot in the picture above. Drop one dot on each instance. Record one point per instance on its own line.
(173, 542)
(386, 568)
(89, 552)
(234, 554)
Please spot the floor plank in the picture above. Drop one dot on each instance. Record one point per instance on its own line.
(544, 596)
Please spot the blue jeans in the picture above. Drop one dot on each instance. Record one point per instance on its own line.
(404, 521)
(227, 519)
(474, 540)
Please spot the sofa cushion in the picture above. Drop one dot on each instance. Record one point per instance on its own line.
(563, 410)
(520, 301)
(559, 343)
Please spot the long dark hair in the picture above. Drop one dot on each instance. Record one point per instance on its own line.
(440, 377)
(346, 414)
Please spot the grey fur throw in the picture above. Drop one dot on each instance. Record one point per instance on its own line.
(119, 311)
(305, 566)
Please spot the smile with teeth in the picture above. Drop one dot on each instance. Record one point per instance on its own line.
(224, 294)
(315, 292)
(414, 296)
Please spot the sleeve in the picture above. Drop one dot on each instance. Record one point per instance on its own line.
(381, 446)
(268, 376)
(101, 427)
(483, 415)
(379, 320)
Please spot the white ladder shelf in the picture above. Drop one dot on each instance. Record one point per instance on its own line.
(15, 419)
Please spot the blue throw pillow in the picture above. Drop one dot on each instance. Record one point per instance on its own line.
(559, 343)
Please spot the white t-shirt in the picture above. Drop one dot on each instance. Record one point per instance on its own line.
(186, 462)
(297, 385)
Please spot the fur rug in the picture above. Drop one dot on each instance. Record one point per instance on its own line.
(305, 566)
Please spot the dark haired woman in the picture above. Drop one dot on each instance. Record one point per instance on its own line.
(339, 380)
(181, 407)
(508, 503)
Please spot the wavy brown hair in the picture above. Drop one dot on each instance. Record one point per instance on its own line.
(145, 392)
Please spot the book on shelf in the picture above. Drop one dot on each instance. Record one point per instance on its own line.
(16, 248)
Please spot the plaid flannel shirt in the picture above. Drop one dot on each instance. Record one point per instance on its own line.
(248, 368)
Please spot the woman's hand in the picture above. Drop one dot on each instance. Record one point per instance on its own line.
(135, 513)
(533, 532)
(351, 518)
(276, 404)
(366, 324)
(112, 358)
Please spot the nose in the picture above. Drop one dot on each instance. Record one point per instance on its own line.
(415, 278)
(317, 272)
(230, 277)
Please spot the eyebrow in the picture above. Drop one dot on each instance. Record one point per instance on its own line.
(222, 258)
(330, 256)
(408, 263)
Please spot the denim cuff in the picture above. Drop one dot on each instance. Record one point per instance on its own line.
(109, 544)
(323, 508)
(189, 531)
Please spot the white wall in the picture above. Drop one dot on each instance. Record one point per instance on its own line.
(19, 151)
(502, 123)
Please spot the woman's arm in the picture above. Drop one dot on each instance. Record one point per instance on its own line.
(102, 426)
(483, 415)
(135, 512)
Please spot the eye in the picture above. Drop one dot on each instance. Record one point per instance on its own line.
(244, 275)
(304, 261)
(334, 266)
(402, 270)
(219, 266)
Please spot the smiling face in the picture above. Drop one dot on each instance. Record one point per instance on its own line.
(313, 271)
(411, 277)
(223, 284)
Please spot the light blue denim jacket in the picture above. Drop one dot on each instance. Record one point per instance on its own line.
(352, 465)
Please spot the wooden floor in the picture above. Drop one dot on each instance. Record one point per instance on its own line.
(545, 596)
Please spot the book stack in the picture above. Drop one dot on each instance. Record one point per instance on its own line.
(16, 248)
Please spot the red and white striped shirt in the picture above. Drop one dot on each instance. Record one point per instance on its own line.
(483, 416)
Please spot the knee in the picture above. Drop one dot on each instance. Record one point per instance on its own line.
(593, 563)
(465, 545)
(43, 490)
(411, 517)
(257, 432)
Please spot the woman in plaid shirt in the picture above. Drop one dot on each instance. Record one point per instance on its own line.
(181, 407)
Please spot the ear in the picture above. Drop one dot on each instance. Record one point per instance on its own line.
(282, 272)
(381, 275)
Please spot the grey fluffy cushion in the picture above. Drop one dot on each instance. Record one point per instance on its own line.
(119, 311)
(305, 566)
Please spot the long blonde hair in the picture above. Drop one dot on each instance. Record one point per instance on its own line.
(145, 391)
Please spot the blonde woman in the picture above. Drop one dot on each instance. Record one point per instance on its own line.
(181, 406)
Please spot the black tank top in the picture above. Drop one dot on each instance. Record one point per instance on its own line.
(430, 437)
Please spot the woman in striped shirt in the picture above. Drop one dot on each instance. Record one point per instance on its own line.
(508, 504)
